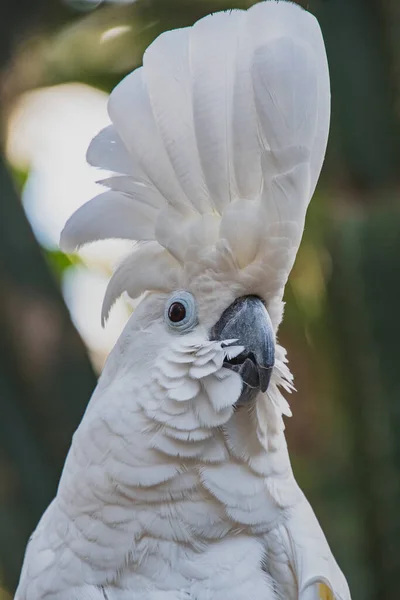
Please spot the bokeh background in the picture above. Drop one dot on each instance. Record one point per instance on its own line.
(58, 61)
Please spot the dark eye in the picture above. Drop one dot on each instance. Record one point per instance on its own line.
(181, 312)
(176, 312)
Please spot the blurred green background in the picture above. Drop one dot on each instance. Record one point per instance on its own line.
(342, 327)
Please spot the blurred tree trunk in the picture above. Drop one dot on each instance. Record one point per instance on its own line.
(362, 69)
(365, 294)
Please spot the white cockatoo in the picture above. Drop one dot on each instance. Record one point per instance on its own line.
(178, 484)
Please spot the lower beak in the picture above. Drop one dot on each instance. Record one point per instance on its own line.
(247, 321)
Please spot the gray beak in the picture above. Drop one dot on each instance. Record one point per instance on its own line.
(247, 321)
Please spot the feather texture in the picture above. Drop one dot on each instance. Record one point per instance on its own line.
(109, 215)
(166, 66)
(142, 267)
(108, 152)
(131, 112)
(213, 50)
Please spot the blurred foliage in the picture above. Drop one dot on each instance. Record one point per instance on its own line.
(341, 326)
(60, 262)
(19, 178)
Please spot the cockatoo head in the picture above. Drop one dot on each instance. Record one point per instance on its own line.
(216, 145)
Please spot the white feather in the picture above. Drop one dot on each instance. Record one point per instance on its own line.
(140, 189)
(139, 270)
(131, 112)
(107, 151)
(187, 390)
(221, 392)
(240, 227)
(172, 369)
(245, 137)
(109, 215)
(306, 547)
(166, 67)
(200, 371)
(213, 51)
(266, 22)
(172, 230)
(286, 93)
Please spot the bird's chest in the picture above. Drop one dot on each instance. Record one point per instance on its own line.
(205, 544)
(228, 569)
(207, 503)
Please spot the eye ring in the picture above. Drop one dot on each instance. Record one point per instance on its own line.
(181, 312)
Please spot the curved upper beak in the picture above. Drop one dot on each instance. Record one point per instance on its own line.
(247, 321)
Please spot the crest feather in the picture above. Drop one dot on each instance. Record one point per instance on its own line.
(109, 215)
(149, 267)
(225, 126)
